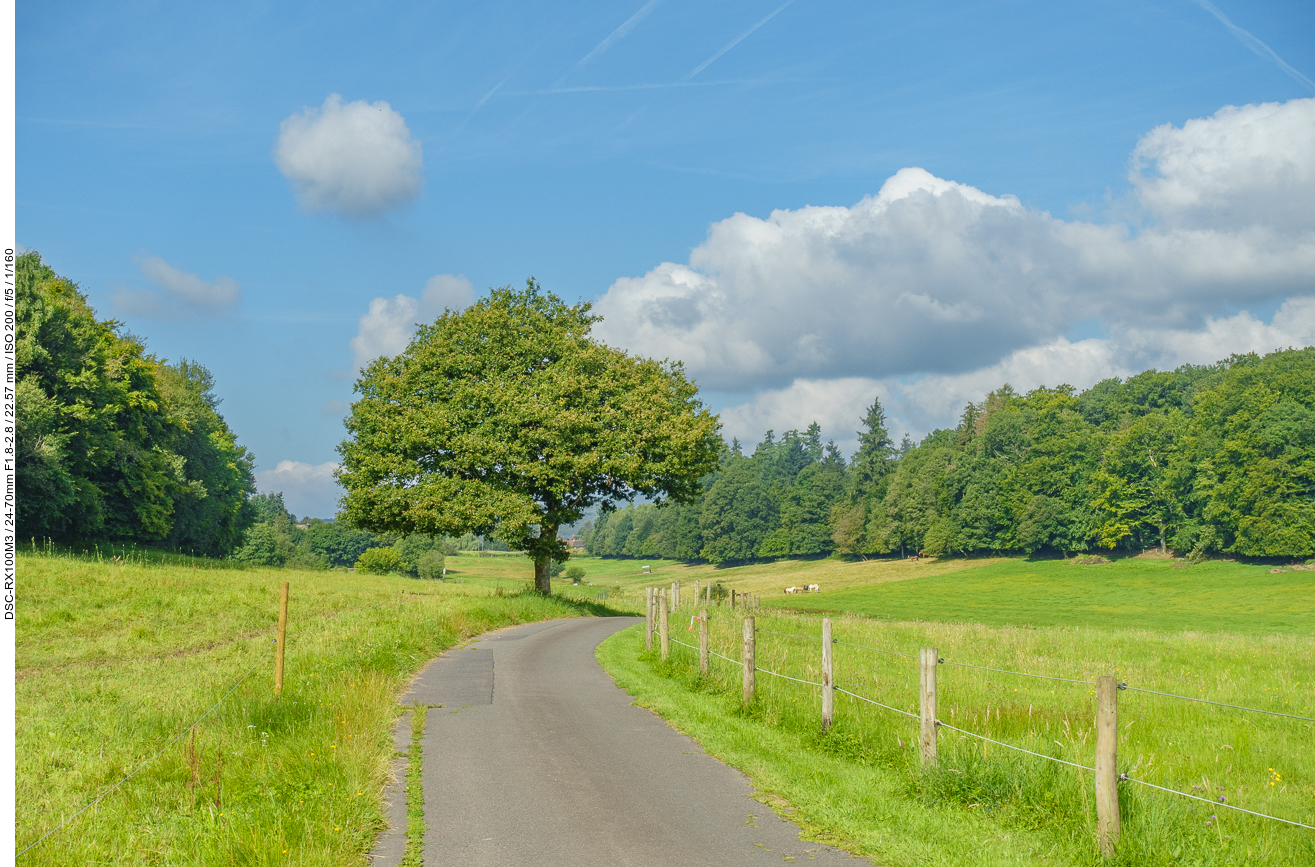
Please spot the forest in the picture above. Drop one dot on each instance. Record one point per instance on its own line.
(114, 444)
(1204, 460)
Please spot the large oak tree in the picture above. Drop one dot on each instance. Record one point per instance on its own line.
(508, 419)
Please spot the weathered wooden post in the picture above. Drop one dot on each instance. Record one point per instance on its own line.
(648, 618)
(673, 596)
(1107, 773)
(696, 591)
(749, 665)
(283, 642)
(663, 633)
(927, 700)
(703, 641)
(828, 679)
(709, 592)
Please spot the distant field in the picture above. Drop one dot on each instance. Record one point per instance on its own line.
(1136, 593)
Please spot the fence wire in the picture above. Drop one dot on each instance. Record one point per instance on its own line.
(1216, 703)
(1127, 779)
(877, 649)
(877, 703)
(1011, 746)
(134, 771)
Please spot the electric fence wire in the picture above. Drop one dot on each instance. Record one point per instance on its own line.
(1017, 673)
(877, 703)
(1012, 747)
(158, 753)
(785, 676)
(1216, 703)
(876, 649)
(788, 635)
(1127, 779)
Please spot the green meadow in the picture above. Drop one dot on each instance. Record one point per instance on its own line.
(116, 659)
(1132, 593)
(1225, 632)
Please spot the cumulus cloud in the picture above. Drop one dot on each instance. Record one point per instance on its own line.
(917, 405)
(387, 326)
(177, 294)
(356, 158)
(309, 490)
(931, 276)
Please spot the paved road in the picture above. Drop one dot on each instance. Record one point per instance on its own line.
(537, 758)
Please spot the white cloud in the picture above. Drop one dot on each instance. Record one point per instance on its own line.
(179, 294)
(933, 276)
(356, 158)
(387, 327)
(309, 490)
(920, 404)
(1248, 166)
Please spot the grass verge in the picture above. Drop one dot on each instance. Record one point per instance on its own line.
(860, 785)
(415, 793)
(115, 659)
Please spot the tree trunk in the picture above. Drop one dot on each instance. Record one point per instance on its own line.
(543, 558)
(542, 578)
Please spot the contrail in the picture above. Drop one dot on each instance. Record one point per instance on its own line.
(1254, 44)
(614, 37)
(734, 42)
(486, 97)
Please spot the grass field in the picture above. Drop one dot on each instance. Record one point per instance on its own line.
(1238, 638)
(116, 659)
(1133, 593)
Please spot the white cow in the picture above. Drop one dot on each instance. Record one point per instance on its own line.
(813, 588)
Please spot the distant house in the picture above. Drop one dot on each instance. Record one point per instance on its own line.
(575, 543)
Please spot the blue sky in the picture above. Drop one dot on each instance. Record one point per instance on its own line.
(189, 166)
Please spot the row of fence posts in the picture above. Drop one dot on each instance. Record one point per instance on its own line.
(1107, 692)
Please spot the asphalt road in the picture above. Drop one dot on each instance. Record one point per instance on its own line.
(537, 758)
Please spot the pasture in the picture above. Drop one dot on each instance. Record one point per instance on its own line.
(1225, 632)
(115, 659)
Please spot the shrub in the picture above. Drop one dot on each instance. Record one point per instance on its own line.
(574, 574)
(380, 561)
(430, 564)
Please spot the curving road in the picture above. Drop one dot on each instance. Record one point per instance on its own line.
(537, 758)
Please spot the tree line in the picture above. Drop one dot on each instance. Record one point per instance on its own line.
(277, 538)
(1202, 460)
(112, 443)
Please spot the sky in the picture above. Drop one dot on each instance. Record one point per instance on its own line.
(810, 204)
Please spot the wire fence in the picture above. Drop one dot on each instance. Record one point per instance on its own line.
(941, 724)
(103, 795)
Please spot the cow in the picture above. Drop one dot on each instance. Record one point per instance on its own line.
(794, 590)
(813, 588)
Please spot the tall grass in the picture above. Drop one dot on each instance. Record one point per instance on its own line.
(1037, 811)
(114, 659)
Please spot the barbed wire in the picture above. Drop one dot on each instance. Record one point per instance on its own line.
(158, 753)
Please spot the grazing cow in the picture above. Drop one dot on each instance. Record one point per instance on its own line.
(794, 590)
(813, 588)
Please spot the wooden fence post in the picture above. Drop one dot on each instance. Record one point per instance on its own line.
(709, 592)
(749, 665)
(675, 602)
(663, 632)
(703, 641)
(696, 591)
(828, 679)
(283, 642)
(648, 618)
(671, 597)
(927, 696)
(1107, 774)
(732, 598)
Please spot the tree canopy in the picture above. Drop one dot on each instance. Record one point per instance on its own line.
(112, 443)
(508, 419)
(1204, 459)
